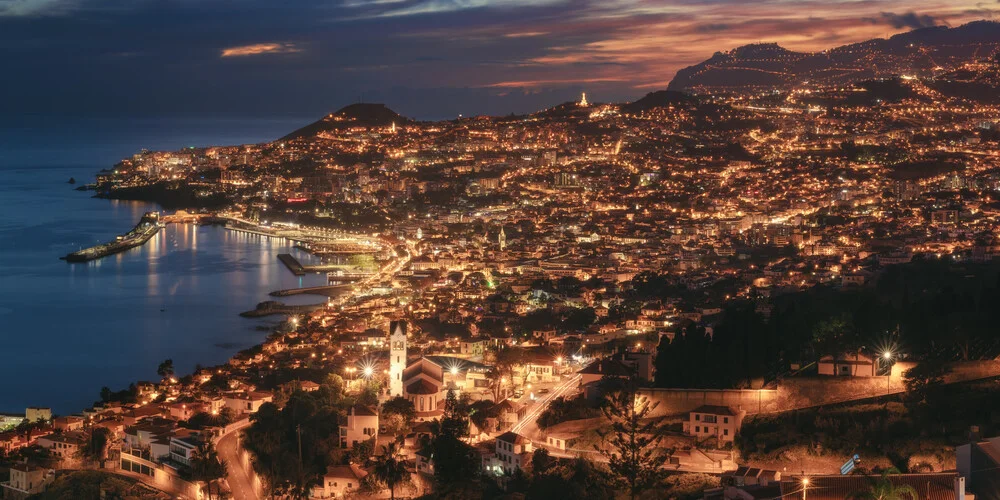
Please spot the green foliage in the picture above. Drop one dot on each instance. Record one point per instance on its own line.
(95, 449)
(390, 468)
(935, 309)
(926, 426)
(454, 460)
(202, 420)
(273, 438)
(882, 488)
(166, 368)
(398, 413)
(562, 410)
(89, 484)
(632, 446)
(207, 466)
(578, 478)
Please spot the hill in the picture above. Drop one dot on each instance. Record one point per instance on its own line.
(924, 52)
(368, 115)
(658, 99)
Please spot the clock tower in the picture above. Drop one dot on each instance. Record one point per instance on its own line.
(397, 357)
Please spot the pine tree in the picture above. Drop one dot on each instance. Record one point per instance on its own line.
(635, 458)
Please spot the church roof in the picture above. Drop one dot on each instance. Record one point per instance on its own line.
(422, 387)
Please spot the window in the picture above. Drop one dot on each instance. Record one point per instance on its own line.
(697, 417)
(725, 432)
(725, 420)
(697, 429)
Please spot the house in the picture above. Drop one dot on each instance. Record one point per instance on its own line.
(339, 482)
(183, 448)
(721, 422)
(65, 446)
(512, 452)
(847, 365)
(184, 411)
(26, 480)
(640, 361)
(931, 486)
(559, 441)
(473, 349)
(508, 413)
(243, 403)
(605, 368)
(979, 463)
(361, 425)
(751, 476)
(68, 423)
(149, 439)
(35, 413)
(424, 462)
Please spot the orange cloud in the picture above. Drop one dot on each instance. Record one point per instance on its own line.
(259, 49)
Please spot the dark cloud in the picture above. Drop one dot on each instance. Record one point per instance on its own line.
(711, 28)
(910, 20)
(428, 58)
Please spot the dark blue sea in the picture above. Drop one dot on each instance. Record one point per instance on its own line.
(66, 330)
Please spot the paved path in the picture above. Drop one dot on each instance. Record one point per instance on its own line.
(238, 477)
(528, 426)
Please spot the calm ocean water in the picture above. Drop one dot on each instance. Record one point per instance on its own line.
(66, 330)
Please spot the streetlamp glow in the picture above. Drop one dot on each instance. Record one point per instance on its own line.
(368, 371)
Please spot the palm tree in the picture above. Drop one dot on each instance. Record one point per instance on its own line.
(207, 466)
(882, 488)
(389, 469)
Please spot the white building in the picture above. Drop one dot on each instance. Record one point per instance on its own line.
(362, 425)
(512, 452)
(721, 422)
(397, 358)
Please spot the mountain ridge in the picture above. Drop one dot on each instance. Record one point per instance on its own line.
(920, 52)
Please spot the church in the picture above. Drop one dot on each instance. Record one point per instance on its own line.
(426, 381)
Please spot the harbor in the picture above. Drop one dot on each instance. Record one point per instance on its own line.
(147, 227)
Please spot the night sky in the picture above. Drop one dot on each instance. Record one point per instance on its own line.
(424, 58)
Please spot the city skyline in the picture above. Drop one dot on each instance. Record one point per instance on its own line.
(105, 58)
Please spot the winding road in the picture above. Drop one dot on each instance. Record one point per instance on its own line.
(240, 484)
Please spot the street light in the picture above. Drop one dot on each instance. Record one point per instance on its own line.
(368, 372)
(887, 355)
(805, 487)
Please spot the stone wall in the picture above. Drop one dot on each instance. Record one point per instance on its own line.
(679, 401)
(807, 391)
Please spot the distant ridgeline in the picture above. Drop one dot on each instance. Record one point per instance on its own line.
(960, 61)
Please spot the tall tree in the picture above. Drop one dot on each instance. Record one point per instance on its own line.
(634, 456)
(207, 466)
(389, 469)
(166, 368)
(96, 447)
(454, 460)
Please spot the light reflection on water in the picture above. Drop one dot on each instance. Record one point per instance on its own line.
(68, 329)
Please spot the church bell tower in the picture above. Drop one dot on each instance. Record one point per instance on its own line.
(397, 357)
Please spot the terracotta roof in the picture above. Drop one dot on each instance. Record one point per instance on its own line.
(362, 411)
(513, 438)
(934, 486)
(716, 410)
(609, 368)
(352, 471)
(422, 387)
